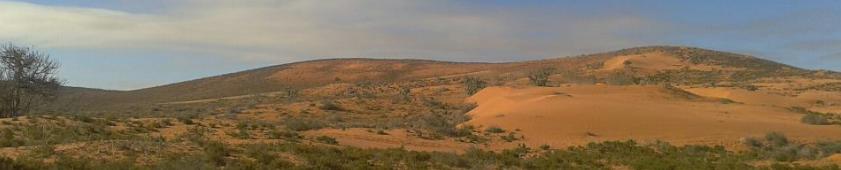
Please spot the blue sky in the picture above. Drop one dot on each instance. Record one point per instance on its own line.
(128, 44)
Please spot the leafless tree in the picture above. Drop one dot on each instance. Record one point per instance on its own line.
(27, 78)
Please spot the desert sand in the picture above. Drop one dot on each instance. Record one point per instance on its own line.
(575, 115)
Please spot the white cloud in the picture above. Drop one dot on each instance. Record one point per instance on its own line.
(298, 30)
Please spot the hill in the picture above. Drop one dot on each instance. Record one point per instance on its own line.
(719, 109)
(642, 65)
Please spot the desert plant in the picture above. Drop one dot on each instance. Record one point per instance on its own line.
(283, 134)
(297, 124)
(185, 120)
(216, 152)
(327, 140)
(406, 94)
(776, 139)
(331, 105)
(473, 85)
(494, 129)
(814, 119)
(510, 137)
(620, 78)
(540, 77)
(291, 93)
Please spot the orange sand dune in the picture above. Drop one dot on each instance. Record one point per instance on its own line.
(563, 116)
(651, 61)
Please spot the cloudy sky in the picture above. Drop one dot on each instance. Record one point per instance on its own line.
(131, 44)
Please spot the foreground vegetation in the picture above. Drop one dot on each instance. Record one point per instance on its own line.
(606, 155)
(92, 143)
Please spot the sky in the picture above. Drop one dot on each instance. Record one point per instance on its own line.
(131, 44)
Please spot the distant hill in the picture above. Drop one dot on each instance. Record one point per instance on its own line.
(645, 64)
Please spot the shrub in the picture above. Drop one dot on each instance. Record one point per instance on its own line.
(330, 105)
(509, 138)
(776, 139)
(242, 133)
(753, 143)
(441, 123)
(216, 152)
(8, 139)
(186, 121)
(292, 93)
(473, 85)
(540, 77)
(620, 78)
(297, 124)
(6, 163)
(494, 129)
(282, 134)
(167, 122)
(405, 94)
(327, 140)
(814, 119)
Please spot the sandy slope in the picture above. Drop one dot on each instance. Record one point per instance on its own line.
(562, 116)
(651, 61)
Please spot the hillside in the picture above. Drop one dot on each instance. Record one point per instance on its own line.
(700, 104)
(657, 63)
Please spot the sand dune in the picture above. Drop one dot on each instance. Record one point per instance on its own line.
(648, 61)
(562, 116)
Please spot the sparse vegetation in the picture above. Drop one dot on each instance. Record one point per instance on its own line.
(540, 77)
(604, 155)
(778, 147)
(473, 85)
(327, 140)
(494, 129)
(297, 124)
(331, 105)
(621, 78)
(292, 93)
(405, 94)
(814, 119)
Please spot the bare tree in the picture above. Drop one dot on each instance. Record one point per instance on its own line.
(27, 78)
